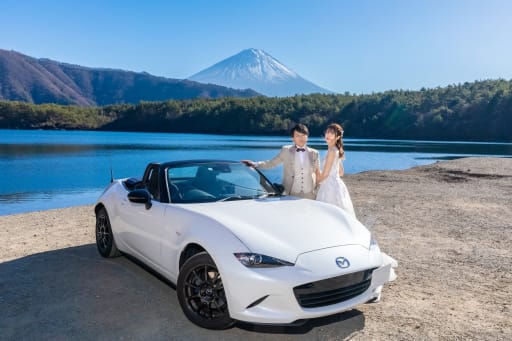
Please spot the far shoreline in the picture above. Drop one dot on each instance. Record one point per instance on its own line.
(277, 135)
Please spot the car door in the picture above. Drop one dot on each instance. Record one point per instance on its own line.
(143, 226)
(143, 234)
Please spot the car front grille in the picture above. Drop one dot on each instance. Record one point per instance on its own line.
(333, 290)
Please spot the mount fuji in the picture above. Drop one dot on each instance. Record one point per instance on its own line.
(257, 70)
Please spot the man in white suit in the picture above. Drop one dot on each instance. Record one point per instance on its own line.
(299, 164)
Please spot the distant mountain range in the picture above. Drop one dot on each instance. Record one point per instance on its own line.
(27, 79)
(249, 73)
(255, 69)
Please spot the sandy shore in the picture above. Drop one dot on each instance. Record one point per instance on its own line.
(448, 224)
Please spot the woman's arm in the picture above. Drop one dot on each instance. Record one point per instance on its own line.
(342, 169)
(327, 167)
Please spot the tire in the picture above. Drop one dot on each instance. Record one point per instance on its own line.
(201, 293)
(104, 237)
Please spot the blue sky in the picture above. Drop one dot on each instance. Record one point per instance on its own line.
(359, 46)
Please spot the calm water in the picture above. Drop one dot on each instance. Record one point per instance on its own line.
(51, 169)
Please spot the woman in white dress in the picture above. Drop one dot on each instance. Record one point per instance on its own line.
(332, 189)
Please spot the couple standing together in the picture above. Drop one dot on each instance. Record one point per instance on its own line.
(302, 175)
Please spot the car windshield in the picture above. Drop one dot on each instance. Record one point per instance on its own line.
(216, 181)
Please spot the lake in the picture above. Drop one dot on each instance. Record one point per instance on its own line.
(51, 169)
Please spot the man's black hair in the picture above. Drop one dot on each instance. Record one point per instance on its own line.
(301, 128)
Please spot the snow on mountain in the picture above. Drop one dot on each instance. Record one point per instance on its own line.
(257, 70)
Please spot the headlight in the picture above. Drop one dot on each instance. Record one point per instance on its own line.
(255, 260)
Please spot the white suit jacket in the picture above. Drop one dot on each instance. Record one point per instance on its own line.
(287, 157)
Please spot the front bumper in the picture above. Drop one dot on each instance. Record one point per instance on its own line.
(267, 296)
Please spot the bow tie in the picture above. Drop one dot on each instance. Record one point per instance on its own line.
(301, 149)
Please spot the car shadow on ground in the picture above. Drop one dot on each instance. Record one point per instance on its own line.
(75, 293)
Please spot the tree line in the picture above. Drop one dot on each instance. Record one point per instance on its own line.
(477, 111)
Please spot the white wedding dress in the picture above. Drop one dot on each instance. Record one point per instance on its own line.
(333, 190)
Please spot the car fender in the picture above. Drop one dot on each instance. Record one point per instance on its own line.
(111, 198)
(187, 227)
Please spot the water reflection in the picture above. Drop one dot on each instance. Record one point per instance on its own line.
(21, 149)
(37, 201)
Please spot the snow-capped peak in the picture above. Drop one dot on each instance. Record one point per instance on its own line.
(256, 69)
(264, 66)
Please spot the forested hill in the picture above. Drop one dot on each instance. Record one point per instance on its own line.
(27, 79)
(478, 111)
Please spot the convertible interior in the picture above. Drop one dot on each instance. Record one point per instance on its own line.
(202, 182)
(203, 187)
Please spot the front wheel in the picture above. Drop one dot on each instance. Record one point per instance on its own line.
(201, 293)
(104, 237)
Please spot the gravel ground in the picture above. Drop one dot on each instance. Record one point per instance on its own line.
(448, 224)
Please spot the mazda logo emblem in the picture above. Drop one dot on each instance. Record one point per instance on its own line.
(342, 262)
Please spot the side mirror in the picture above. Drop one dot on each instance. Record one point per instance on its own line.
(140, 196)
(278, 187)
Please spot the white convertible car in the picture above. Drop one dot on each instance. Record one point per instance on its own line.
(236, 248)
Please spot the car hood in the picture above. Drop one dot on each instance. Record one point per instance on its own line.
(286, 227)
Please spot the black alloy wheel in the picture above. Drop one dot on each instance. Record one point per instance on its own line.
(104, 237)
(201, 293)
